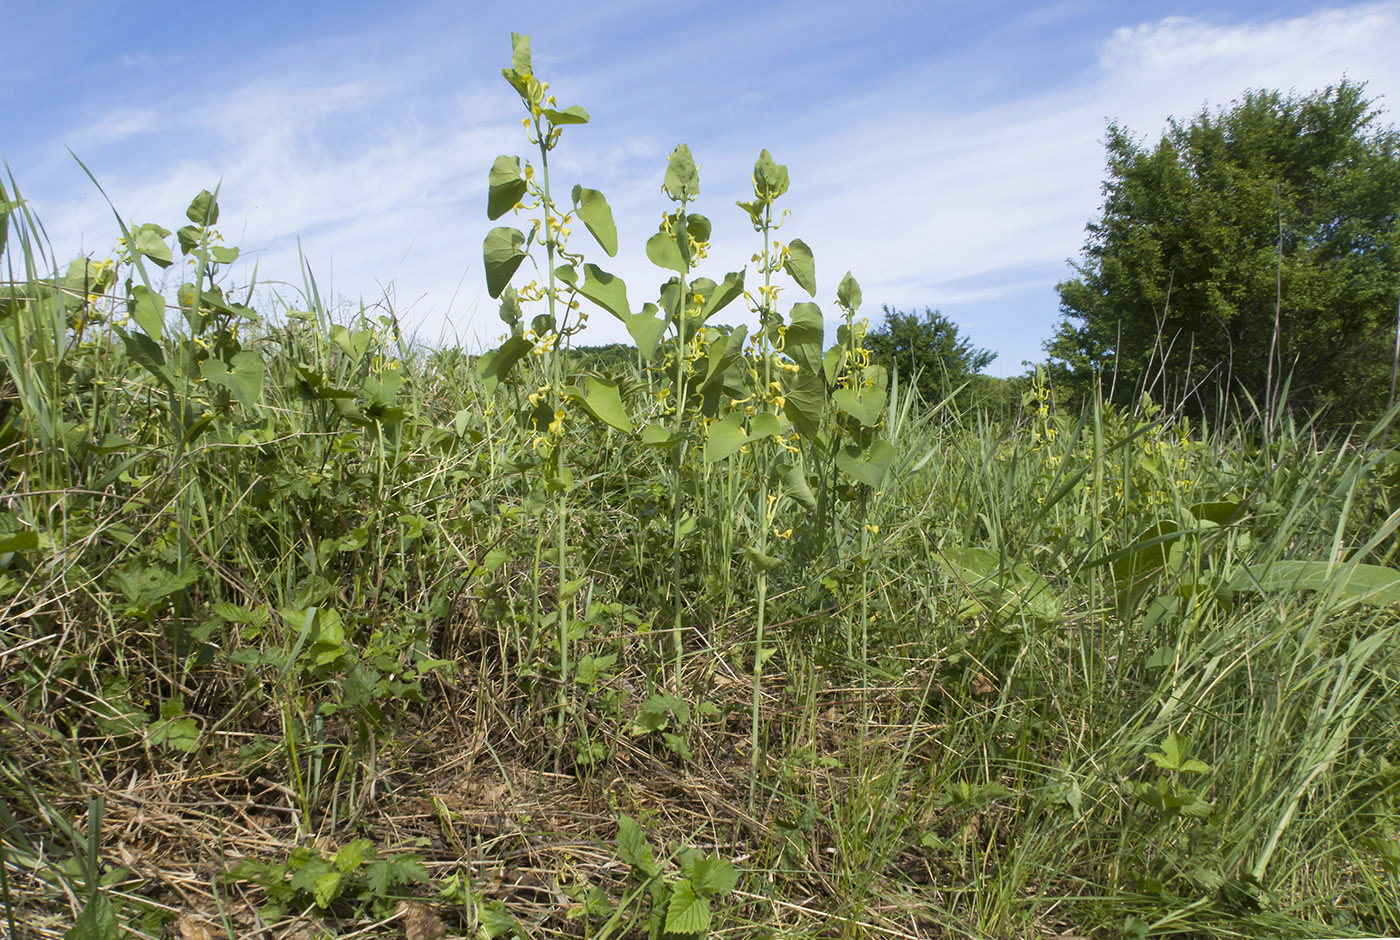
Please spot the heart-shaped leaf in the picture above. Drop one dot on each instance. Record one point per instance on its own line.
(801, 266)
(505, 186)
(503, 251)
(597, 217)
(148, 310)
(682, 179)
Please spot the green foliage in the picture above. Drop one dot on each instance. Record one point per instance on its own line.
(1085, 669)
(928, 351)
(1277, 207)
(678, 902)
(352, 878)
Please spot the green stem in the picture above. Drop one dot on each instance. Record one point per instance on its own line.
(678, 463)
(764, 521)
(556, 381)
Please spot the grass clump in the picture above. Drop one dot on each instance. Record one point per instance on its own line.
(308, 628)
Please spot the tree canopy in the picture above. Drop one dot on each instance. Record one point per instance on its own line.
(1255, 243)
(928, 349)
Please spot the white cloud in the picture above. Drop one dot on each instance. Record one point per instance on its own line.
(927, 198)
(1009, 189)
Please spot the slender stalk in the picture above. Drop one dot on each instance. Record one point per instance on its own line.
(677, 466)
(556, 381)
(765, 511)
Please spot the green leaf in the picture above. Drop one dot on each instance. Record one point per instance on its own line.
(352, 855)
(802, 340)
(1149, 554)
(698, 227)
(503, 251)
(658, 435)
(765, 424)
(383, 389)
(1173, 756)
(379, 877)
(189, 238)
(177, 734)
(597, 217)
(681, 237)
(723, 350)
(589, 670)
(97, 921)
(804, 403)
(497, 365)
(864, 403)
(520, 54)
(1000, 584)
(1221, 512)
(148, 310)
(633, 848)
(603, 401)
(243, 375)
(355, 344)
(848, 293)
(570, 115)
(793, 479)
(724, 437)
(143, 350)
(687, 913)
(801, 266)
(770, 179)
(664, 252)
(505, 186)
(832, 361)
(172, 707)
(144, 585)
(327, 888)
(203, 210)
(656, 712)
(149, 240)
(682, 179)
(14, 537)
(712, 875)
(867, 466)
(495, 919)
(606, 290)
(721, 296)
(1374, 585)
(110, 444)
(510, 312)
(761, 560)
(384, 875)
(646, 330)
(677, 745)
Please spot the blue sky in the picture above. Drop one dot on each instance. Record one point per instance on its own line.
(949, 154)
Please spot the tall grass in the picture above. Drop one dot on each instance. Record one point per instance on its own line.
(1046, 679)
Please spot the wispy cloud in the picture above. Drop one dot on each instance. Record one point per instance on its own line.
(961, 179)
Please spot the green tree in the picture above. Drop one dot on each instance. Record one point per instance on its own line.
(1249, 245)
(928, 348)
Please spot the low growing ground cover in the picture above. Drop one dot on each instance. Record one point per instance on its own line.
(306, 630)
